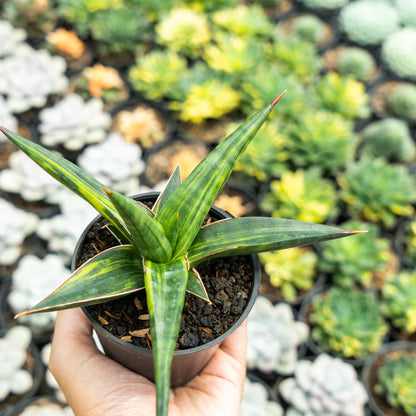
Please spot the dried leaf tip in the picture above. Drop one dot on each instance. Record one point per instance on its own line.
(108, 192)
(276, 100)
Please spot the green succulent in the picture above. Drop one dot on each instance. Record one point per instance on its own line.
(410, 242)
(81, 12)
(302, 195)
(244, 21)
(161, 246)
(233, 54)
(120, 31)
(324, 4)
(265, 157)
(294, 57)
(367, 22)
(154, 9)
(402, 101)
(343, 95)
(321, 139)
(396, 381)
(377, 191)
(399, 301)
(36, 17)
(390, 139)
(347, 323)
(293, 271)
(399, 53)
(211, 5)
(357, 63)
(157, 73)
(309, 28)
(184, 31)
(359, 259)
(202, 102)
(257, 86)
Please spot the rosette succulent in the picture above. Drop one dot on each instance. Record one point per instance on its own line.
(163, 245)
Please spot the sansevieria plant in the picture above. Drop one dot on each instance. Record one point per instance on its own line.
(160, 247)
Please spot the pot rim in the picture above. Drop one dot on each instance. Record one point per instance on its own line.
(252, 296)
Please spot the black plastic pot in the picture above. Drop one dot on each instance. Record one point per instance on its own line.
(377, 403)
(187, 363)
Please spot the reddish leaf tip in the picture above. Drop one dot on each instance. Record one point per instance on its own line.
(276, 100)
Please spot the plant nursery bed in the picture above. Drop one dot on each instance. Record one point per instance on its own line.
(228, 282)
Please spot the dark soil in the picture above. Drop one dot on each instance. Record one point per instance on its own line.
(228, 282)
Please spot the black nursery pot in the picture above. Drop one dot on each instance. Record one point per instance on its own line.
(187, 363)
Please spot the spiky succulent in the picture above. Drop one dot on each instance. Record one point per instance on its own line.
(164, 244)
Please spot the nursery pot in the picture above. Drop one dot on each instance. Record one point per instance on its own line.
(187, 363)
(378, 404)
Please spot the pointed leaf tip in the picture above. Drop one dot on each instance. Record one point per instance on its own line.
(276, 100)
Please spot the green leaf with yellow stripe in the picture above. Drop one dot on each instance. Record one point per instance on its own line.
(110, 274)
(165, 291)
(70, 175)
(248, 235)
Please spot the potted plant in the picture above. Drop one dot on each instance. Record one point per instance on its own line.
(160, 247)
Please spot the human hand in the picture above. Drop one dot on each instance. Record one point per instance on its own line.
(95, 385)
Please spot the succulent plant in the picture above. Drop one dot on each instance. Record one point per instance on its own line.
(398, 53)
(359, 261)
(119, 31)
(234, 204)
(326, 386)
(233, 54)
(245, 21)
(410, 242)
(257, 86)
(201, 101)
(66, 42)
(11, 38)
(343, 95)
(347, 323)
(324, 4)
(301, 195)
(309, 28)
(63, 231)
(120, 169)
(14, 378)
(396, 382)
(265, 158)
(377, 191)
(321, 139)
(292, 271)
(143, 124)
(37, 17)
(101, 81)
(212, 5)
(6, 117)
(367, 22)
(184, 31)
(399, 301)
(173, 243)
(255, 401)
(402, 101)
(28, 76)
(390, 139)
(407, 12)
(23, 177)
(274, 337)
(15, 226)
(73, 123)
(295, 57)
(156, 73)
(50, 272)
(356, 62)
